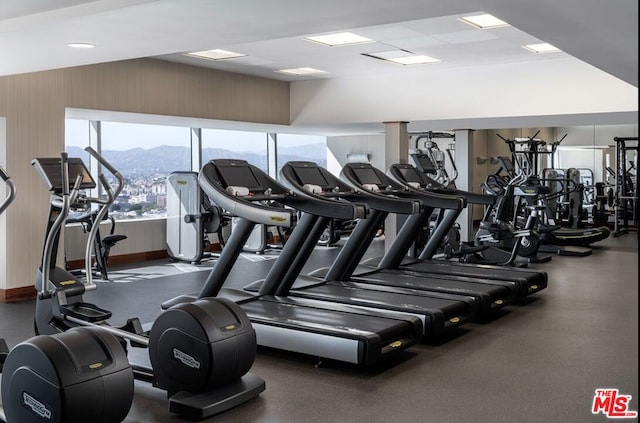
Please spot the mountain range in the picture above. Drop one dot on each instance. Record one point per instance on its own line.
(165, 159)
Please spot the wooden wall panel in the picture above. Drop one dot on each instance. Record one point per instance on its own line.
(34, 107)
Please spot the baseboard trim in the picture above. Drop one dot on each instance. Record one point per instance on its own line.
(29, 292)
(124, 258)
(17, 294)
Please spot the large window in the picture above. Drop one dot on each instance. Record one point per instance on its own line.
(77, 136)
(311, 148)
(146, 154)
(224, 144)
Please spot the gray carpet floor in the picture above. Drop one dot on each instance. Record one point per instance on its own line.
(539, 362)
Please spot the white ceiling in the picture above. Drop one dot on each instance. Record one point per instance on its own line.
(601, 34)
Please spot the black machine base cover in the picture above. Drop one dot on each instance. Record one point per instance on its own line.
(81, 375)
(200, 346)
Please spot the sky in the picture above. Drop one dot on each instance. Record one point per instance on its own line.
(124, 136)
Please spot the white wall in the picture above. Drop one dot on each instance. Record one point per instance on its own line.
(143, 235)
(482, 97)
(339, 147)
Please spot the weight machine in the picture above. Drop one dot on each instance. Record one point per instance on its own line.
(190, 218)
(626, 188)
(434, 164)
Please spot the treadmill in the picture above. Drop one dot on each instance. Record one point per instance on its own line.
(310, 180)
(440, 312)
(522, 282)
(333, 331)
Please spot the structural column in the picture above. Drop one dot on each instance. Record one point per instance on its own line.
(272, 156)
(464, 159)
(396, 150)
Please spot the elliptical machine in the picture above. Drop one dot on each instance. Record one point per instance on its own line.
(77, 376)
(498, 226)
(103, 244)
(200, 353)
(12, 191)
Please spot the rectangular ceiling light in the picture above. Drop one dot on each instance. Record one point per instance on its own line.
(483, 21)
(339, 39)
(542, 48)
(416, 59)
(402, 57)
(301, 71)
(215, 54)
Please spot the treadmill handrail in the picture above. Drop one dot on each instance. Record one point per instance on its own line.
(244, 206)
(397, 191)
(431, 186)
(252, 207)
(445, 199)
(389, 200)
(351, 194)
(331, 201)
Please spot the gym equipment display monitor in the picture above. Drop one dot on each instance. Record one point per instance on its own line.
(367, 175)
(310, 176)
(410, 174)
(424, 163)
(50, 170)
(239, 176)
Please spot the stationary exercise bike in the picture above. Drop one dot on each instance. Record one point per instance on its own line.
(200, 353)
(77, 376)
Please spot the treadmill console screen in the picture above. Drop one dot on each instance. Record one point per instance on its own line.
(367, 176)
(410, 174)
(425, 164)
(50, 171)
(240, 176)
(311, 176)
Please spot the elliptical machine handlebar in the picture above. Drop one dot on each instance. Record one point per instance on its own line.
(103, 162)
(64, 204)
(111, 169)
(102, 212)
(12, 190)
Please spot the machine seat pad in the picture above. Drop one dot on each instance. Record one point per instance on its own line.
(111, 240)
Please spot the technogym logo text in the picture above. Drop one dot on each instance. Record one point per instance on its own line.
(186, 359)
(36, 406)
(612, 404)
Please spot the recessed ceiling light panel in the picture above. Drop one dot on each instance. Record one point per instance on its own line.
(416, 59)
(485, 21)
(402, 57)
(80, 45)
(339, 39)
(215, 54)
(542, 48)
(301, 71)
